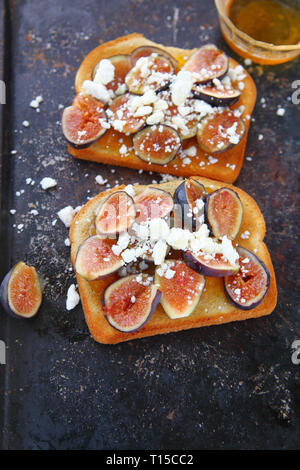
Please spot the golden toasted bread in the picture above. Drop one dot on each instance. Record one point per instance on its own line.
(106, 149)
(213, 308)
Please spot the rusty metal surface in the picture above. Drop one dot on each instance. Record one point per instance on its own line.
(232, 386)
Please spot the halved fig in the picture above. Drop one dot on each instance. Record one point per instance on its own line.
(120, 111)
(153, 203)
(189, 202)
(184, 119)
(224, 213)
(129, 302)
(122, 64)
(115, 214)
(21, 292)
(220, 131)
(145, 51)
(208, 265)
(95, 258)
(84, 122)
(207, 63)
(180, 287)
(149, 73)
(157, 144)
(216, 96)
(248, 287)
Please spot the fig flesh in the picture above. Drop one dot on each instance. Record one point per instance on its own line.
(84, 122)
(21, 292)
(95, 258)
(216, 96)
(180, 287)
(145, 51)
(121, 107)
(189, 199)
(248, 287)
(220, 131)
(207, 63)
(153, 203)
(208, 265)
(149, 73)
(116, 214)
(224, 213)
(122, 65)
(157, 144)
(129, 302)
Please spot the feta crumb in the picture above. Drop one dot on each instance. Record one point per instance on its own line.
(47, 183)
(73, 298)
(25, 123)
(100, 180)
(280, 112)
(66, 215)
(105, 72)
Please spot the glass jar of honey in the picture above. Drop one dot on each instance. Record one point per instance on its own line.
(265, 31)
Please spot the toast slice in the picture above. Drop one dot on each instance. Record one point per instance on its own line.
(228, 164)
(213, 308)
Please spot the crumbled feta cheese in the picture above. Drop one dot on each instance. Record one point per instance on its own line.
(73, 297)
(100, 180)
(97, 90)
(25, 123)
(159, 252)
(66, 215)
(105, 72)
(47, 183)
(181, 87)
(129, 189)
(280, 112)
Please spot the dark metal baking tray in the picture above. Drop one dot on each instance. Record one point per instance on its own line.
(232, 386)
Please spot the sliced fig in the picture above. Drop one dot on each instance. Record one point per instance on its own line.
(84, 122)
(95, 258)
(224, 213)
(115, 214)
(184, 119)
(215, 96)
(123, 118)
(149, 73)
(189, 201)
(248, 287)
(153, 203)
(122, 64)
(157, 144)
(207, 63)
(220, 131)
(180, 286)
(208, 265)
(145, 51)
(129, 302)
(21, 292)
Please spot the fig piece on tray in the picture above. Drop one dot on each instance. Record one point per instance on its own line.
(180, 287)
(21, 292)
(95, 258)
(224, 213)
(215, 96)
(116, 214)
(149, 73)
(248, 287)
(208, 265)
(189, 199)
(130, 124)
(129, 302)
(207, 63)
(145, 51)
(84, 122)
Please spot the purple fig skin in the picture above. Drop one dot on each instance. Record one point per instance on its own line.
(4, 297)
(203, 269)
(248, 254)
(155, 301)
(207, 216)
(216, 99)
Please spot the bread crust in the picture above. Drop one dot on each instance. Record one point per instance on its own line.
(106, 149)
(213, 307)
